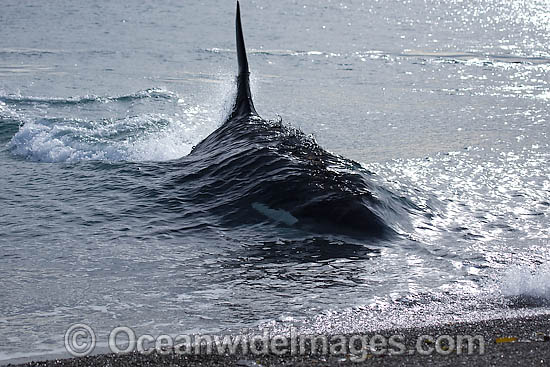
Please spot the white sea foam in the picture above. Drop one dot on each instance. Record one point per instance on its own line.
(521, 281)
(141, 137)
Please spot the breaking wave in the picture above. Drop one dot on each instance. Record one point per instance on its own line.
(108, 136)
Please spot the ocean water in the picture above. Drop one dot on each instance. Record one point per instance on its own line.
(446, 103)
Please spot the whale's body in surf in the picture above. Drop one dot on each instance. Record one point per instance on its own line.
(261, 170)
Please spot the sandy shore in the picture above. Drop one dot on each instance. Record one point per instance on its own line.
(506, 342)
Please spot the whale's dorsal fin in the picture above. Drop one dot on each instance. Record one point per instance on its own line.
(241, 49)
(243, 103)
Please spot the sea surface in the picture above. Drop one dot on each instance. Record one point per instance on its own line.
(445, 102)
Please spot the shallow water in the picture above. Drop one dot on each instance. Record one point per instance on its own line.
(446, 102)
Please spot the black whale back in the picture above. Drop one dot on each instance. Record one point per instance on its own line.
(256, 171)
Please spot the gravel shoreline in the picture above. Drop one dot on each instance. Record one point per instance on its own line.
(506, 342)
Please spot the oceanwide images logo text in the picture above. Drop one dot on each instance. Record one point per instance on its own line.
(80, 340)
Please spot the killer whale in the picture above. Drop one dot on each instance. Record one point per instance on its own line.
(255, 170)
